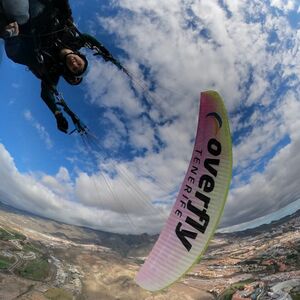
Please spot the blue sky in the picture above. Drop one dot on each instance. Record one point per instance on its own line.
(247, 50)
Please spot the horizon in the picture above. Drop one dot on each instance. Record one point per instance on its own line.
(286, 211)
(282, 213)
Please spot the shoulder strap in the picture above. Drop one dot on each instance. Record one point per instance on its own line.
(99, 49)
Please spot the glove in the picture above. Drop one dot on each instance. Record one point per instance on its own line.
(62, 123)
(11, 30)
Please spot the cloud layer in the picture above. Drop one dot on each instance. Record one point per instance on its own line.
(249, 52)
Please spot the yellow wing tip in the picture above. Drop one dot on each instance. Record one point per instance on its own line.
(211, 93)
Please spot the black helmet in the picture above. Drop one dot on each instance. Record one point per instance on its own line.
(73, 80)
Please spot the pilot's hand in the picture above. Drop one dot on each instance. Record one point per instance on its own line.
(62, 123)
(11, 30)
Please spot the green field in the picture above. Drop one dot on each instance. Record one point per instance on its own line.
(7, 234)
(227, 295)
(5, 262)
(37, 269)
(31, 248)
(58, 294)
(295, 296)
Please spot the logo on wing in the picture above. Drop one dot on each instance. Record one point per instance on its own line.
(218, 120)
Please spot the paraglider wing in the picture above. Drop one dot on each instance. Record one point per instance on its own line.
(200, 202)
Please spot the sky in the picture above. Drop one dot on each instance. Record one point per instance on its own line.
(125, 179)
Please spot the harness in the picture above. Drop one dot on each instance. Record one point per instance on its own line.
(41, 49)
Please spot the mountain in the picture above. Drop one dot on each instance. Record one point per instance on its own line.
(125, 245)
(263, 228)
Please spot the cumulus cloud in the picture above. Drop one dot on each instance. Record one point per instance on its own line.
(285, 5)
(53, 197)
(277, 186)
(245, 50)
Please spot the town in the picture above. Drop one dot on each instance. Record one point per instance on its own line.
(252, 266)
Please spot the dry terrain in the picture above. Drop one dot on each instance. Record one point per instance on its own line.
(43, 259)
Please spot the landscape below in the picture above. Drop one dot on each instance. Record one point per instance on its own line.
(44, 259)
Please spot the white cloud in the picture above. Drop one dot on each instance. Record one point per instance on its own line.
(194, 45)
(285, 5)
(48, 197)
(108, 87)
(277, 186)
(60, 184)
(260, 140)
